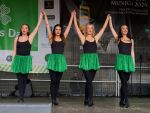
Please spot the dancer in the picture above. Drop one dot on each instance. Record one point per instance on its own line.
(89, 62)
(125, 60)
(56, 61)
(22, 60)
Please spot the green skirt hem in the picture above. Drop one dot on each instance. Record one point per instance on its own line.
(124, 63)
(22, 64)
(89, 61)
(57, 62)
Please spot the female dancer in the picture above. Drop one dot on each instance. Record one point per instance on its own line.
(125, 60)
(89, 62)
(22, 61)
(56, 61)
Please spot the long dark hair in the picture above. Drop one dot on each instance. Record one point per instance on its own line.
(61, 34)
(120, 34)
(20, 34)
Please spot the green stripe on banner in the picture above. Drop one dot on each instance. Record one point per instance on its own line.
(35, 69)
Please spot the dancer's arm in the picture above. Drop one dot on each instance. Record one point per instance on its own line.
(48, 27)
(32, 35)
(132, 51)
(100, 33)
(15, 44)
(80, 35)
(69, 25)
(112, 29)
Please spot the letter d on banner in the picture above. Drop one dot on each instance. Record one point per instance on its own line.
(11, 33)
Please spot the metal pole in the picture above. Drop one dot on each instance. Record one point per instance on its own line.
(140, 93)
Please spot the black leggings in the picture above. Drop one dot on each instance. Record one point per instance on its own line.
(124, 77)
(22, 81)
(89, 76)
(55, 81)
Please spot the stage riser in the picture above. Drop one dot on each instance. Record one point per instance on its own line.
(25, 108)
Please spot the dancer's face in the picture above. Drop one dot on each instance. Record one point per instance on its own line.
(89, 29)
(58, 31)
(24, 29)
(124, 30)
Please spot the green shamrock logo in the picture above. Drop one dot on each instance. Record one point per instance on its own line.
(4, 11)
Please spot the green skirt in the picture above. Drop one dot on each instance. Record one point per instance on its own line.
(124, 63)
(21, 64)
(89, 61)
(57, 62)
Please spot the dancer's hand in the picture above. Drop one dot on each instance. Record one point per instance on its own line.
(109, 16)
(43, 12)
(41, 15)
(74, 12)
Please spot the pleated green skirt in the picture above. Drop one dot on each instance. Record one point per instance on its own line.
(21, 64)
(89, 61)
(57, 62)
(124, 63)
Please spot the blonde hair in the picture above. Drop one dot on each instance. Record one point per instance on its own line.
(85, 31)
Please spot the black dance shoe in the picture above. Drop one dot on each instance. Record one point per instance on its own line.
(90, 103)
(126, 105)
(20, 100)
(55, 102)
(86, 102)
(122, 104)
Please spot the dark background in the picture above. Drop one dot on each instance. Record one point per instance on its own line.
(139, 28)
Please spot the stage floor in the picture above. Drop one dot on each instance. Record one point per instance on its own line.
(102, 104)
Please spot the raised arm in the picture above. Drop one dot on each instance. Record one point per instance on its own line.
(69, 25)
(15, 44)
(80, 35)
(132, 51)
(32, 35)
(48, 27)
(100, 33)
(112, 29)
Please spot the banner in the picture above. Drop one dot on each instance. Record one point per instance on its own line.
(14, 13)
(135, 7)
